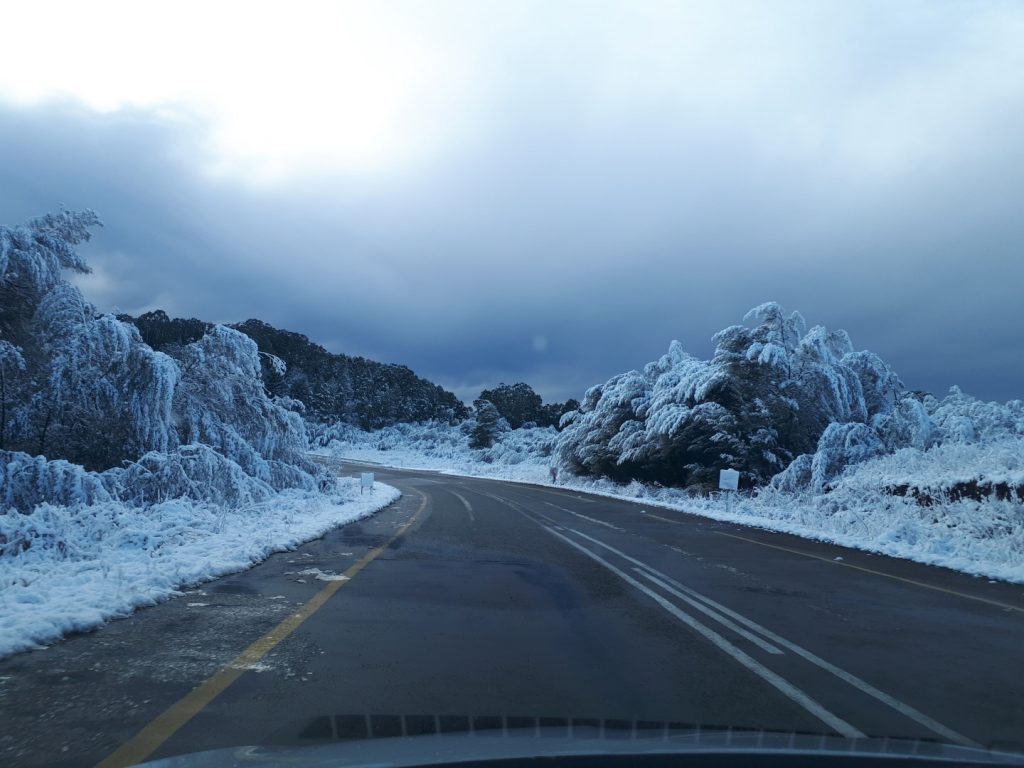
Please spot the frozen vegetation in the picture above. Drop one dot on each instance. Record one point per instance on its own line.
(73, 567)
(333, 387)
(126, 473)
(829, 442)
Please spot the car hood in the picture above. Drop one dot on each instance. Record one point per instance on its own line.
(595, 746)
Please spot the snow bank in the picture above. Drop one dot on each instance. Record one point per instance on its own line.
(71, 568)
(155, 470)
(870, 506)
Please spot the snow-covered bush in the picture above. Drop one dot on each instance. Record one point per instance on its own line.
(437, 444)
(523, 445)
(67, 568)
(913, 429)
(194, 472)
(221, 403)
(840, 446)
(962, 418)
(776, 401)
(12, 366)
(28, 481)
(766, 397)
(428, 437)
(33, 257)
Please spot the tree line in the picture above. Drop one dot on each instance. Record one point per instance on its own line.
(332, 387)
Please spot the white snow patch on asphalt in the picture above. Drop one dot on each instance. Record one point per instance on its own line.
(323, 575)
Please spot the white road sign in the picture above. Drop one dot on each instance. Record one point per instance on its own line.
(729, 480)
(366, 481)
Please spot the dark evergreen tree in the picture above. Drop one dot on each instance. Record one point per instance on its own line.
(552, 413)
(517, 403)
(488, 424)
(520, 406)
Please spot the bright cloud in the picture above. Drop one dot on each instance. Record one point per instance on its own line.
(550, 192)
(319, 84)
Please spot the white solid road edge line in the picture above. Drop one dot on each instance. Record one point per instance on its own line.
(842, 674)
(782, 685)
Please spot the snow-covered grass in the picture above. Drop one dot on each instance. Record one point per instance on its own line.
(984, 537)
(69, 568)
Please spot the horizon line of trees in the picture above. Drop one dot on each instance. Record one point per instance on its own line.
(513, 406)
(780, 402)
(353, 390)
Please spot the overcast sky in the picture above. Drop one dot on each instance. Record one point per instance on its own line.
(548, 192)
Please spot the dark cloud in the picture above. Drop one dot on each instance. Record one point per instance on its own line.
(567, 240)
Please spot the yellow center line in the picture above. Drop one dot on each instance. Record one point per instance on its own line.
(159, 730)
(998, 604)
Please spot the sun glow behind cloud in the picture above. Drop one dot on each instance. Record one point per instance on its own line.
(313, 86)
(375, 88)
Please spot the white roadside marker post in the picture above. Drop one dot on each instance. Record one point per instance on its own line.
(728, 481)
(365, 482)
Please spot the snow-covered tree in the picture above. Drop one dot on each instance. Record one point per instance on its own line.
(79, 385)
(517, 403)
(109, 395)
(221, 402)
(899, 422)
(12, 365)
(33, 257)
(766, 397)
(965, 419)
(585, 446)
(487, 424)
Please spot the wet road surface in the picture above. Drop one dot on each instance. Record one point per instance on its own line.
(481, 599)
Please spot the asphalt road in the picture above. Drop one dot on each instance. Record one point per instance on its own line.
(486, 599)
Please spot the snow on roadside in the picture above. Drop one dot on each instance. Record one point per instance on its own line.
(981, 538)
(88, 564)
